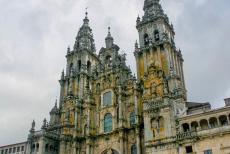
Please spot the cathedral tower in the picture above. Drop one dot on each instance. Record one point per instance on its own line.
(160, 74)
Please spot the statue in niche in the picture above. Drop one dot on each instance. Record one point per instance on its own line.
(154, 124)
(154, 88)
(157, 123)
(166, 91)
(67, 115)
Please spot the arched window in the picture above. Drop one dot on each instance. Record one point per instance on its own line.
(194, 125)
(161, 123)
(37, 147)
(132, 119)
(79, 65)
(185, 127)
(88, 66)
(108, 123)
(107, 99)
(51, 148)
(154, 134)
(70, 68)
(33, 148)
(156, 36)
(134, 149)
(108, 60)
(204, 124)
(46, 147)
(85, 130)
(213, 122)
(146, 39)
(223, 120)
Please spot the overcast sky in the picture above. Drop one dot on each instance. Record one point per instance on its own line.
(34, 35)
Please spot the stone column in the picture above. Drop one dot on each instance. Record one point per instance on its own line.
(198, 128)
(145, 62)
(74, 148)
(121, 137)
(62, 147)
(120, 108)
(42, 146)
(218, 121)
(81, 89)
(228, 119)
(136, 105)
(76, 119)
(88, 148)
(190, 127)
(61, 92)
(138, 141)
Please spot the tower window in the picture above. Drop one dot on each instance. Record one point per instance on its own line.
(37, 147)
(88, 66)
(132, 119)
(18, 149)
(156, 35)
(79, 65)
(134, 149)
(46, 148)
(107, 99)
(108, 123)
(70, 68)
(188, 149)
(108, 60)
(146, 39)
(208, 151)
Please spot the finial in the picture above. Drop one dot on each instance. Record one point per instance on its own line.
(109, 33)
(68, 50)
(56, 102)
(86, 12)
(72, 72)
(86, 20)
(63, 74)
(44, 125)
(136, 44)
(109, 39)
(32, 126)
(138, 19)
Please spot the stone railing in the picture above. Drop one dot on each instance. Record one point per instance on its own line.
(186, 135)
(217, 130)
(157, 142)
(38, 133)
(154, 104)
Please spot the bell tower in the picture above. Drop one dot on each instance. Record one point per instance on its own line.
(159, 72)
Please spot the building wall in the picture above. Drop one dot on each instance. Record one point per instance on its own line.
(19, 148)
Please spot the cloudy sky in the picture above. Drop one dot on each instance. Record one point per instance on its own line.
(34, 35)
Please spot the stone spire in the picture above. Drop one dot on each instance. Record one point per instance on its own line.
(63, 75)
(84, 39)
(109, 39)
(153, 10)
(55, 108)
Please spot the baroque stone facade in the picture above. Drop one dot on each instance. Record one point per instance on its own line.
(104, 109)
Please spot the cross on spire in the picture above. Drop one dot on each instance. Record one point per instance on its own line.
(86, 11)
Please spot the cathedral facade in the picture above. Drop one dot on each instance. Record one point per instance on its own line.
(105, 109)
